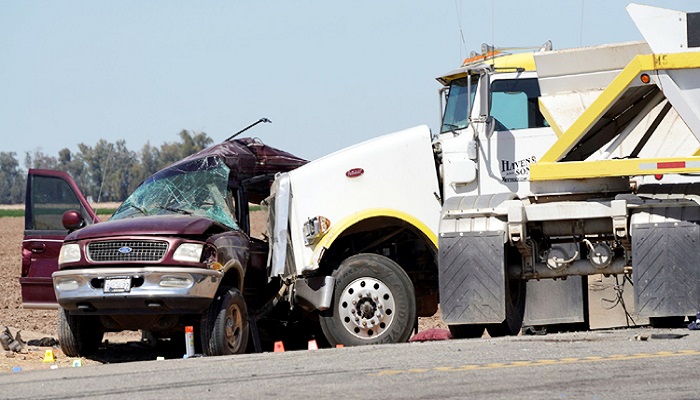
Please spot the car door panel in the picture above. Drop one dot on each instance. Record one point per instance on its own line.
(49, 194)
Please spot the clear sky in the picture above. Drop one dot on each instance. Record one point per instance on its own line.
(327, 73)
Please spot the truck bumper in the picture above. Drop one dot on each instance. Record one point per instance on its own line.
(151, 290)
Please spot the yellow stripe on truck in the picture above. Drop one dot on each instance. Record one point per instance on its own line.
(337, 228)
(548, 168)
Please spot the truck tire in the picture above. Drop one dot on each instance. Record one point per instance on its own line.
(515, 310)
(466, 331)
(374, 302)
(224, 326)
(79, 335)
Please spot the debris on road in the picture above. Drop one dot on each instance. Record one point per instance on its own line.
(431, 334)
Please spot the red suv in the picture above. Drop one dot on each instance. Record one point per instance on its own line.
(177, 252)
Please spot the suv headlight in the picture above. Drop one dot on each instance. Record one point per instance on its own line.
(188, 252)
(70, 253)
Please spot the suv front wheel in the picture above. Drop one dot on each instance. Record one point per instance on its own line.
(79, 335)
(224, 326)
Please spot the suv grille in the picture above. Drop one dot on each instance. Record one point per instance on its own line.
(126, 250)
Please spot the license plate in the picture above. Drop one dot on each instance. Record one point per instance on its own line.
(118, 284)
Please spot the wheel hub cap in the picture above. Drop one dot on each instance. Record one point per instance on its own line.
(366, 308)
(233, 328)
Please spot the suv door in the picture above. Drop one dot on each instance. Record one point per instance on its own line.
(49, 194)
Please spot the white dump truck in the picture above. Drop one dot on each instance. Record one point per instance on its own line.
(548, 165)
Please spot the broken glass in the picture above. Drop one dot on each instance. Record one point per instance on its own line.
(198, 187)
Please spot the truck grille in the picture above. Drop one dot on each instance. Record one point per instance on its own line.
(127, 250)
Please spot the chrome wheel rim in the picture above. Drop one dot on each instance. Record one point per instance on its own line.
(366, 308)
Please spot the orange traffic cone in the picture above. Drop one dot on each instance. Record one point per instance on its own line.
(339, 346)
(313, 345)
(279, 347)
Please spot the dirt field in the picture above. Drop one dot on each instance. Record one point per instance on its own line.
(35, 324)
(11, 311)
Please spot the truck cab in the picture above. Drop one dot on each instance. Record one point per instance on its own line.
(492, 100)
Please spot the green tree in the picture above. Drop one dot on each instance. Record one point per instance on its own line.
(119, 173)
(74, 166)
(37, 159)
(190, 144)
(107, 171)
(12, 179)
(96, 161)
(149, 164)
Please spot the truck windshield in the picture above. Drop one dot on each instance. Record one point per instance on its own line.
(195, 188)
(456, 113)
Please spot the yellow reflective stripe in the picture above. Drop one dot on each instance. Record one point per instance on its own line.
(337, 228)
(542, 171)
(548, 168)
(596, 110)
(676, 61)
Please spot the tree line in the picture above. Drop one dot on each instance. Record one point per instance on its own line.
(106, 171)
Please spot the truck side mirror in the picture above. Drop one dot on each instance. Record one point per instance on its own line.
(472, 149)
(484, 100)
(72, 220)
(490, 126)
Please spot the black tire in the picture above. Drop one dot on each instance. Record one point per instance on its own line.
(224, 326)
(667, 322)
(79, 335)
(384, 309)
(466, 331)
(515, 310)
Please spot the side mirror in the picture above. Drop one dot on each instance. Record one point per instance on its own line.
(472, 150)
(484, 96)
(72, 220)
(490, 126)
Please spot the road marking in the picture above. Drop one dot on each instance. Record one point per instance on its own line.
(536, 363)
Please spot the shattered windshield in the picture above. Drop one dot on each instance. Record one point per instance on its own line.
(198, 188)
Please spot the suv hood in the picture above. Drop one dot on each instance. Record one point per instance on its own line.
(157, 225)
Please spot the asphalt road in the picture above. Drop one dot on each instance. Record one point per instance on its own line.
(610, 364)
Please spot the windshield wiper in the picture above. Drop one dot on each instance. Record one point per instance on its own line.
(176, 210)
(141, 209)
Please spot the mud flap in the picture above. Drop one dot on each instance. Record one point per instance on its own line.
(666, 268)
(555, 301)
(472, 277)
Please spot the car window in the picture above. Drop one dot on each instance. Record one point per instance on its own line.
(51, 197)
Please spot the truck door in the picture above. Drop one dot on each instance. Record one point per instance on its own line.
(520, 135)
(49, 194)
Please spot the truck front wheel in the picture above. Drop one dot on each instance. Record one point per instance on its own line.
(79, 335)
(224, 326)
(374, 302)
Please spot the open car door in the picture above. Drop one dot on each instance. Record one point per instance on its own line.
(49, 194)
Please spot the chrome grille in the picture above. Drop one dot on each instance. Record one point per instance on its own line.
(127, 250)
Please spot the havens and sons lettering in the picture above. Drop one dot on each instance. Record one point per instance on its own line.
(516, 171)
